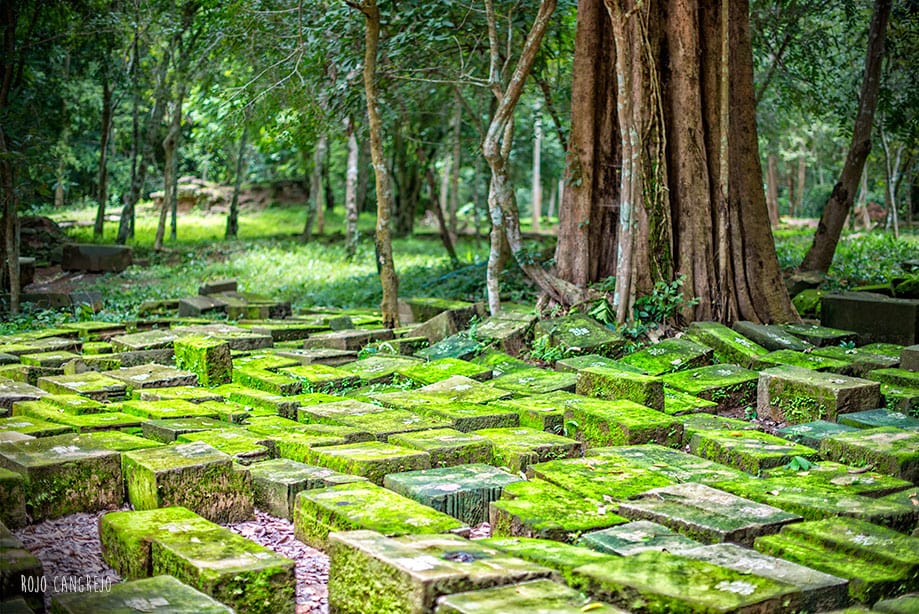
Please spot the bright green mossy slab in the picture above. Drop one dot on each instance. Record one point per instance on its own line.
(265, 362)
(806, 360)
(795, 395)
(206, 357)
(634, 537)
(894, 350)
(183, 393)
(48, 359)
(729, 346)
(904, 400)
(30, 425)
(371, 573)
(148, 340)
(618, 384)
(91, 330)
(851, 480)
(383, 424)
(12, 493)
(463, 492)
(455, 346)
(243, 446)
(427, 373)
(536, 381)
(276, 425)
(749, 451)
(19, 569)
(580, 334)
(601, 423)
(889, 450)
(814, 500)
(333, 411)
(536, 597)
(460, 388)
(860, 361)
(812, 433)
(447, 447)
(267, 381)
(545, 412)
(371, 459)
(559, 556)
(895, 377)
(707, 514)
(517, 448)
(770, 336)
(694, 423)
(166, 431)
(204, 555)
(670, 355)
(64, 475)
(230, 412)
(81, 423)
(194, 475)
(320, 378)
(610, 479)
(160, 410)
(94, 348)
(252, 397)
(878, 562)
(157, 594)
(820, 336)
(94, 385)
(677, 403)
(75, 404)
(655, 581)
(536, 508)
(576, 363)
(115, 440)
(153, 376)
(500, 363)
(276, 483)
(730, 386)
(907, 604)
(879, 417)
(380, 369)
(820, 592)
(676, 465)
(363, 505)
(464, 416)
(297, 446)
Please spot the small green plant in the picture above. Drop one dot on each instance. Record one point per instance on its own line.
(799, 463)
(749, 413)
(848, 345)
(570, 428)
(543, 350)
(664, 304)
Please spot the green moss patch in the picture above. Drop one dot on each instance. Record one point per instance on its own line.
(610, 479)
(276, 483)
(500, 363)
(526, 598)
(880, 417)
(379, 369)
(795, 395)
(94, 385)
(812, 433)
(372, 459)
(536, 381)
(859, 361)
(439, 370)
(166, 431)
(820, 336)
(601, 423)
(123, 598)
(730, 386)
(678, 403)
(267, 381)
(616, 384)
(805, 360)
(749, 451)
(637, 536)
(670, 355)
(447, 447)
(320, 378)
(889, 450)
(580, 334)
(676, 465)
(206, 357)
(729, 346)
(30, 425)
(160, 410)
(517, 448)
(153, 376)
(561, 557)
(244, 447)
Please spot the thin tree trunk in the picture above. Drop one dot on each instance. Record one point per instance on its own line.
(802, 178)
(170, 175)
(772, 189)
(233, 217)
(363, 173)
(351, 174)
(892, 178)
(455, 169)
(316, 201)
(102, 181)
(10, 222)
(388, 279)
(820, 255)
(443, 200)
(537, 166)
(445, 237)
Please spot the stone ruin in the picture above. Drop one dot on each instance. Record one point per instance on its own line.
(443, 468)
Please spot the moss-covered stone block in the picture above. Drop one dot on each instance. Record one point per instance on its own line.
(427, 373)
(101, 363)
(463, 492)
(447, 447)
(536, 381)
(694, 423)
(812, 433)
(153, 376)
(545, 412)
(21, 573)
(729, 346)
(351, 340)
(371, 573)
(750, 451)
(500, 363)
(267, 381)
(880, 417)
(730, 386)
(878, 562)
(707, 514)
(611, 479)
(675, 465)
(13, 495)
(371, 459)
(584, 361)
(155, 339)
(459, 346)
(806, 360)
(511, 331)
(194, 475)
(794, 395)
(63, 475)
(285, 406)
(677, 403)
(379, 369)
(889, 450)
(895, 377)
(320, 378)
(48, 359)
(903, 400)
(381, 422)
(160, 410)
(166, 431)
(276, 425)
(844, 478)
(157, 594)
(191, 394)
(30, 425)
(517, 448)
(97, 386)
(820, 336)
(298, 446)
(464, 416)
(12, 392)
(580, 334)
(601, 423)
(859, 361)
(819, 592)
(276, 483)
(616, 384)
(526, 598)
(770, 336)
(637, 536)
(230, 412)
(208, 358)
(559, 556)
(363, 505)
(244, 447)
(81, 423)
(536, 508)
(907, 604)
(670, 355)
(96, 348)
(654, 581)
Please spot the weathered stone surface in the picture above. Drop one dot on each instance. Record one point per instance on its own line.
(63, 475)
(517, 448)
(672, 464)
(600, 423)
(500, 363)
(859, 361)
(439, 370)
(638, 536)
(583, 361)
(795, 395)
(820, 336)
(561, 557)
(536, 508)
(889, 450)
(11, 392)
(730, 386)
(48, 359)
(95, 258)
(267, 381)
(447, 447)
(534, 597)
(580, 334)
(749, 451)
(13, 496)
(276, 425)
(909, 358)
(844, 478)
(193, 475)
(81, 423)
(877, 561)
(453, 389)
(880, 417)
(243, 446)
(19, 570)
(812, 433)
(320, 378)
(203, 555)
(807, 360)
(670, 355)
(184, 393)
(770, 336)
(535, 381)
(463, 492)
(459, 346)
(371, 459)
(157, 594)
(156, 339)
(617, 384)
(363, 505)
(153, 376)
(20, 422)
(209, 359)
(276, 483)
(381, 422)
(509, 331)
(371, 573)
(694, 423)
(875, 318)
(545, 412)
(729, 346)
(819, 591)
(610, 479)
(379, 369)
(193, 306)
(677, 403)
(421, 309)
(239, 339)
(895, 377)
(166, 431)
(351, 340)
(665, 582)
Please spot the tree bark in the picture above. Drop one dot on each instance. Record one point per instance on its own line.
(802, 178)
(820, 255)
(316, 201)
(772, 189)
(383, 240)
(453, 205)
(233, 215)
(537, 164)
(102, 181)
(351, 174)
(171, 166)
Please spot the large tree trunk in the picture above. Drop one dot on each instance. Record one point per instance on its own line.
(233, 215)
(351, 175)
(589, 207)
(102, 181)
(820, 255)
(388, 279)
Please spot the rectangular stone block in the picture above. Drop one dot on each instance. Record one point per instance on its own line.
(166, 431)
(95, 258)
(30, 425)
(637, 536)
(611, 479)
(13, 495)
(463, 416)
(209, 359)
(517, 448)
(11, 392)
(579, 334)
(889, 450)
(183, 393)
(601, 423)
(820, 336)
(875, 318)
(902, 378)
(616, 384)
(673, 464)
(677, 403)
(844, 478)
(545, 412)
(794, 395)
(670, 355)
(447, 447)
(239, 339)
(909, 358)
(730, 346)
(267, 381)
(351, 340)
(379, 369)
(20, 570)
(810, 434)
(276, 483)
(526, 598)
(244, 447)
(500, 363)
(372, 459)
(730, 386)
(880, 417)
(153, 376)
(770, 336)
(561, 557)
(151, 595)
(439, 370)
(749, 451)
(806, 360)
(459, 346)
(536, 381)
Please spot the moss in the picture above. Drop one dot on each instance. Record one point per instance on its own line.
(297, 446)
(91, 384)
(579, 334)
(84, 422)
(805, 360)
(206, 357)
(119, 598)
(371, 459)
(439, 370)
(379, 369)
(516, 448)
(30, 425)
(895, 377)
(267, 381)
(285, 406)
(610, 479)
(670, 355)
(749, 451)
(75, 404)
(536, 381)
(500, 363)
(890, 450)
(167, 409)
(610, 423)
(244, 447)
(615, 384)
(729, 346)
(447, 447)
(320, 378)
(542, 412)
(559, 556)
